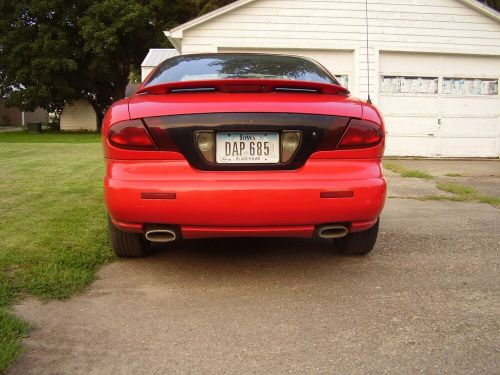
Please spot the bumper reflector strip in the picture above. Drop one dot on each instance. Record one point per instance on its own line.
(337, 194)
(158, 195)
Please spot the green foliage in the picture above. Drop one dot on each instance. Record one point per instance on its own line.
(495, 4)
(54, 51)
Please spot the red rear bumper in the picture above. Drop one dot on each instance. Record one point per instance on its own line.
(257, 203)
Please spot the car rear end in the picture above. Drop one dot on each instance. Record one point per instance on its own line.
(243, 157)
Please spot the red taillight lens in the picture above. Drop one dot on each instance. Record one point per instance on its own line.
(361, 134)
(131, 135)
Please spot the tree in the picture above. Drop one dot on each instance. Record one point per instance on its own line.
(495, 4)
(57, 51)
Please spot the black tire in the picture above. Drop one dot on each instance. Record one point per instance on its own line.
(127, 245)
(360, 243)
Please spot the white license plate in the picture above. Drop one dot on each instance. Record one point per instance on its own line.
(247, 148)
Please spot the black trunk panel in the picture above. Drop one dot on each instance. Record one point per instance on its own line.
(178, 131)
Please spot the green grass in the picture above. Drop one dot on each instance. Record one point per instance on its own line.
(49, 137)
(454, 175)
(404, 172)
(463, 194)
(12, 329)
(416, 174)
(53, 223)
(451, 187)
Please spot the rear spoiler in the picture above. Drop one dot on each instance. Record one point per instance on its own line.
(243, 85)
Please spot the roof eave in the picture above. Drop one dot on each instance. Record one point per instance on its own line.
(209, 16)
(482, 8)
(175, 39)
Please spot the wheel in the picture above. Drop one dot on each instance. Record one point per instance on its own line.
(127, 245)
(360, 243)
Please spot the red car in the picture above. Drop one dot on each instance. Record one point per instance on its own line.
(242, 145)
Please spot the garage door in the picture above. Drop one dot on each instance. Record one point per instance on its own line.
(340, 63)
(440, 105)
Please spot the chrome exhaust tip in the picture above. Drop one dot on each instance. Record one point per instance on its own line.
(332, 231)
(160, 235)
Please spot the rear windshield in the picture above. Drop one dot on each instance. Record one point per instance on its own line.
(224, 66)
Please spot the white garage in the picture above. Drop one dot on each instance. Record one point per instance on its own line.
(432, 66)
(79, 115)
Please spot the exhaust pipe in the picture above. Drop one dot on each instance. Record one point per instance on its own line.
(160, 235)
(332, 231)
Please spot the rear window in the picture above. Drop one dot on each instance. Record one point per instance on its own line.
(226, 66)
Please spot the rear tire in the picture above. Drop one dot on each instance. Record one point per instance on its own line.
(127, 245)
(359, 243)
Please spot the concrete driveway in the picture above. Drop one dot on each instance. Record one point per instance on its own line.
(426, 300)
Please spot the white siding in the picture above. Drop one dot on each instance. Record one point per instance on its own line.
(79, 116)
(407, 25)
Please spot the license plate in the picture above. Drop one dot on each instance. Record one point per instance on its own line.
(247, 148)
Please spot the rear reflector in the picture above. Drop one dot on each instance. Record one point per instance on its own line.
(361, 134)
(337, 194)
(158, 195)
(130, 135)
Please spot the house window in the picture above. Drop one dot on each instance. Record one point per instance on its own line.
(408, 85)
(470, 86)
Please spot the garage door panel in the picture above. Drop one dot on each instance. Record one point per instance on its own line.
(469, 106)
(411, 126)
(469, 126)
(447, 123)
(411, 146)
(471, 66)
(468, 147)
(391, 105)
(396, 62)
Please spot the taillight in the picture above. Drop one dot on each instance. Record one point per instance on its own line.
(361, 134)
(132, 135)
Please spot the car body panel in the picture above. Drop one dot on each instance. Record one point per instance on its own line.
(244, 199)
(182, 103)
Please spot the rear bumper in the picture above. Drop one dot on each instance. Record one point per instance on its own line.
(256, 203)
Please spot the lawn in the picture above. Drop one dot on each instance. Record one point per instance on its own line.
(50, 137)
(52, 222)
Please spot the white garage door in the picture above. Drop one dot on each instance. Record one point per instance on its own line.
(440, 105)
(339, 63)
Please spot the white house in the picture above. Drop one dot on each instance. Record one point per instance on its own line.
(433, 65)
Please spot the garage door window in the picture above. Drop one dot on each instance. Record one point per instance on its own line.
(408, 85)
(470, 86)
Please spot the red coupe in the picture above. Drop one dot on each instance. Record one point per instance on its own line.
(242, 145)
